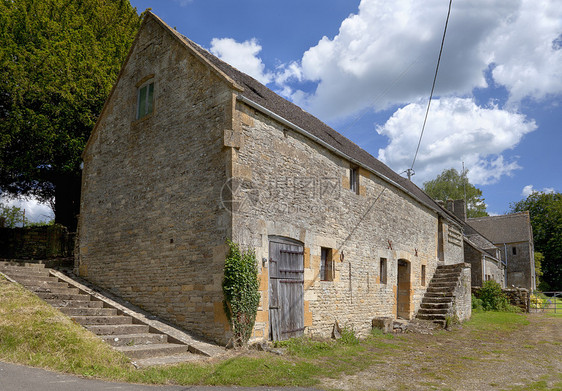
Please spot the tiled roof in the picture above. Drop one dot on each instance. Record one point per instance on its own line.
(508, 228)
(260, 94)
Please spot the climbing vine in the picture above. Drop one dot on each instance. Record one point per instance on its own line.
(240, 288)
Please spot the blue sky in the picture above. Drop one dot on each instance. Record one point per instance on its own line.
(365, 67)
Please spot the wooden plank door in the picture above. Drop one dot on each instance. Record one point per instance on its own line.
(286, 289)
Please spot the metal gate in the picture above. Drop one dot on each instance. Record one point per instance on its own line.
(286, 289)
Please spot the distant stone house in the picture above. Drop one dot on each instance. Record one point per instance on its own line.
(189, 151)
(512, 234)
(483, 256)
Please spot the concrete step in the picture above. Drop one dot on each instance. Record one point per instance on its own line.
(117, 329)
(102, 320)
(63, 296)
(154, 350)
(135, 339)
(88, 311)
(82, 303)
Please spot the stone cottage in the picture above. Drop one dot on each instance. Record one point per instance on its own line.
(483, 256)
(512, 234)
(189, 151)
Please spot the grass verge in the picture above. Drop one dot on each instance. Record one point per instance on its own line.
(33, 333)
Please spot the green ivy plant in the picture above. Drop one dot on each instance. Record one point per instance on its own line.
(240, 288)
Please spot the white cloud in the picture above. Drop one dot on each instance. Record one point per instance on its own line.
(528, 190)
(457, 130)
(527, 52)
(34, 211)
(386, 53)
(243, 56)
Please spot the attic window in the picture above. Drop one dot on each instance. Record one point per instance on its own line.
(145, 102)
(354, 179)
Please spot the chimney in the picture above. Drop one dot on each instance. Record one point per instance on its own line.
(458, 208)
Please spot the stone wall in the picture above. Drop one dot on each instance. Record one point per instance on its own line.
(462, 305)
(300, 190)
(519, 267)
(152, 228)
(518, 297)
(51, 241)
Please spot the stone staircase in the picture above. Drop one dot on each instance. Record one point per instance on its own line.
(438, 300)
(130, 333)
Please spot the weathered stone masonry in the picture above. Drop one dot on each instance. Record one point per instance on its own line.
(152, 229)
(161, 195)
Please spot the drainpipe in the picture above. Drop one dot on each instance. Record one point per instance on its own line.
(505, 256)
(483, 268)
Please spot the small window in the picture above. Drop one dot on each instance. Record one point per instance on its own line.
(145, 100)
(423, 275)
(383, 270)
(326, 264)
(354, 180)
(514, 250)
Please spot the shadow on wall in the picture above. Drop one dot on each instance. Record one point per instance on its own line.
(46, 242)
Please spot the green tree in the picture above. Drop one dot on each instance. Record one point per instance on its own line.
(450, 185)
(11, 216)
(545, 210)
(58, 61)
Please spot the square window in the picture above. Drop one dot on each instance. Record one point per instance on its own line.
(354, 180)
(326, 264)
(145, 100)
(382, 269)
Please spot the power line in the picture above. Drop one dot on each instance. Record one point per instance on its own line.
(410, 171)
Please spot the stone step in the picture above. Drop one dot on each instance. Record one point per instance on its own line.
(153, 350)
(455, 266)
(25, 271)
(439, 289)
(432, 317)
(433, 311)
(13, 264)
(102, 320)
(46, 289)
(83, 303)
(444, 279)
(447, 285)
(117, 329)
(135, 339)
(440, 305)
(63, 296)
(88, 311)
(51, 282)
(446, 274)
(438, 294)
(166, 360)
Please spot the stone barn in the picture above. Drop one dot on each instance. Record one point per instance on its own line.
(188, 151)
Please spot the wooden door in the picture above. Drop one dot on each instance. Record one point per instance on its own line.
(286, 289)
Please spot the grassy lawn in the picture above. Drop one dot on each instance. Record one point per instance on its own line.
(33, 333)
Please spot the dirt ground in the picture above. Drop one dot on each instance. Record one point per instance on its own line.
(528, 358)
